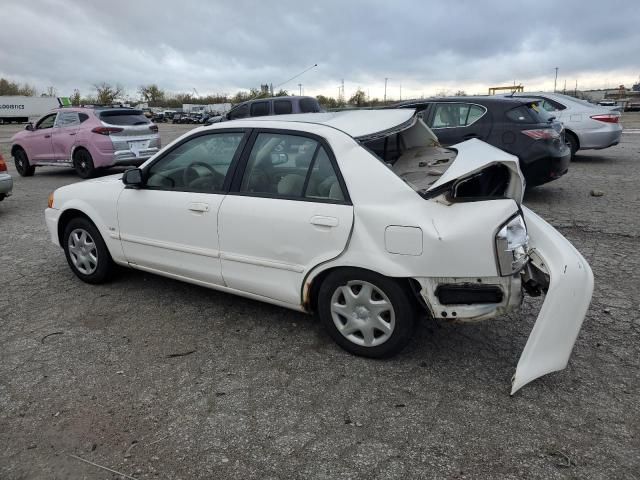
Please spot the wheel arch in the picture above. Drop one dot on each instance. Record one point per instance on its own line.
(15, 147)
(316, 277)
(568, 131)
(69, 215)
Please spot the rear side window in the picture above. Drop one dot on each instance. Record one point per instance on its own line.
(448, 115)
(282, 107)
(68, 119)
(123, 117)
(259, 109)
(309, 105)
(529, 113)
(83, 117)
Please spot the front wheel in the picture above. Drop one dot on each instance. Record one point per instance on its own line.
(366, 313)
(83, 163)
(24, 168)
(86, 252)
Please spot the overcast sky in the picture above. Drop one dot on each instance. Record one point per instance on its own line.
(223, 46)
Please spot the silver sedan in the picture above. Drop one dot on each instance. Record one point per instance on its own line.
(587, 126)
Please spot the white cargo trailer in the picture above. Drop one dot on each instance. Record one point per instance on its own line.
(14, 108)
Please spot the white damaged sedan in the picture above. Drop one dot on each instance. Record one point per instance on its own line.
(359, 216)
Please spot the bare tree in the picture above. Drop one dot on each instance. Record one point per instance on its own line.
(75, 98)
(107, 93)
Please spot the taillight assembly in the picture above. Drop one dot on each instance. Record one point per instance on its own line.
(542, 134)
(606, 118)
(3, 166)
(153, 128)
(107, 130)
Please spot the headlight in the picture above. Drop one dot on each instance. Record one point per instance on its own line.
(512, 245)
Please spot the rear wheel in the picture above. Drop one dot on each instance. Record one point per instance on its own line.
(24, 168)
(83, 163)
(572, 143)
(86, 252)
(365, 313)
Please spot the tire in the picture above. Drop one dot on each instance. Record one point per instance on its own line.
(348, 316)
(83, 163)
(24, 168)
(572, 143)
(86, 251)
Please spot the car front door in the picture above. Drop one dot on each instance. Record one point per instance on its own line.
(170, 224)
(63, 135)
(288, 210)
(455, 122)
(40, 147)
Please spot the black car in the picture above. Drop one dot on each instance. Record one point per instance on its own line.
(261, 107)
(516, 125)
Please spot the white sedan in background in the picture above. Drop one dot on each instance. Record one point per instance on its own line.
(298, 212)
(586, 126)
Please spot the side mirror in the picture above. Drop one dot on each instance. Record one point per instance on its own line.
(279, 158)
(29, 126)
(132, 177)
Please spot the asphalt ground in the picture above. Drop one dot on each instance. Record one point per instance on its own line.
(155, 378)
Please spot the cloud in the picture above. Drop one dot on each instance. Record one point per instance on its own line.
(224, 46)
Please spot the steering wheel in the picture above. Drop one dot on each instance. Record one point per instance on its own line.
(188, 177)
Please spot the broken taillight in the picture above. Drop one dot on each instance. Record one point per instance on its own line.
(3, 165)
(542, 134)
(606, 117)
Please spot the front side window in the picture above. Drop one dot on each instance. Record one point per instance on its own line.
(241, 111)
(198, 165)
(46, 122)
(68, 119)
(290, 166)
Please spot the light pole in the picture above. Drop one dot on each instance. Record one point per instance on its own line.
(386, 79)
(555, 81)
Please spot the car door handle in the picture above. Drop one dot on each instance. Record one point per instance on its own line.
(324, 221)
(47, 136)
(72, 133)
(198, 207)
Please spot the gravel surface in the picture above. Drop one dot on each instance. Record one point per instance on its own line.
(155, 378)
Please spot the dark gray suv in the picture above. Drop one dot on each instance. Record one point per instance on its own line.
(261, 107)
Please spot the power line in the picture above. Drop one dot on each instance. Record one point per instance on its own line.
(296, 76)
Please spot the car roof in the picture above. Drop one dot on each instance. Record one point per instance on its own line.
(355, 123)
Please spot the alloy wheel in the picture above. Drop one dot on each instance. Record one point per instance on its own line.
(83, 251)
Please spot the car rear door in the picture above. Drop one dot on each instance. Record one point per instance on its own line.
(63, 135)
(170, 225)
(288, 210)
(455, 122)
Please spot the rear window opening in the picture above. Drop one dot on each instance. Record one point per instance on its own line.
(529, 113)
(490, 182)
(123, 117)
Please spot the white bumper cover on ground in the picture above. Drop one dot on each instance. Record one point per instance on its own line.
(571, 284)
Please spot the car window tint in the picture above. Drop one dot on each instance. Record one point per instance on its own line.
(46, 122)
(282, 107)
(83, 117)
(309, 105)
(323, 181)
(123, 117)
(241, 111)
(259, 109)
(198, 165)
(278, 165)
(448, 115)
(68, 119)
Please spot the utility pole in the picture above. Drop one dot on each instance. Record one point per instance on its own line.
(555, 81)
(564, 90)
(576, 90)
(385, 89)
(401, 92)
(300, 86)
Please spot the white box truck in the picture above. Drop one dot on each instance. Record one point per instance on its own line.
(14, 108)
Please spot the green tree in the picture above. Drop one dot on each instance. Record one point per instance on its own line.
(75, 98)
